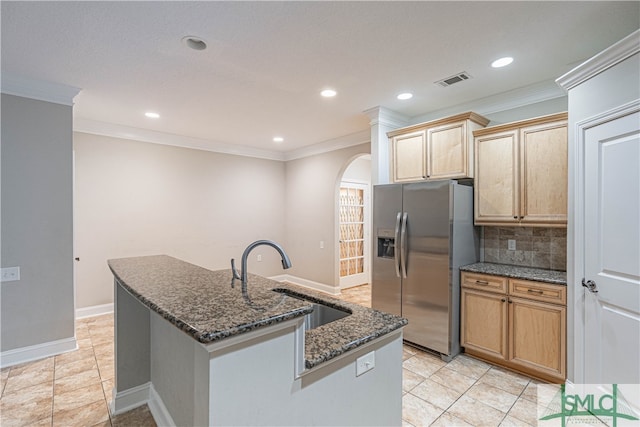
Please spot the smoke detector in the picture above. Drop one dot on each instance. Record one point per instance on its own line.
(456, 78)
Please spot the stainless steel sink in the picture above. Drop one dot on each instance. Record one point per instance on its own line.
(321, 314)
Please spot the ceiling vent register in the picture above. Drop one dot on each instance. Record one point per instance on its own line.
(456, 78)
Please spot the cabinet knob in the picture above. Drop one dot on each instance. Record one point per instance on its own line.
(503, 300)
(515, 217)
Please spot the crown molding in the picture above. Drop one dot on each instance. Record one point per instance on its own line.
(145, 135)
(520, 97)
(609, 57)
(387, 117)
(38, 89)
(339, 143)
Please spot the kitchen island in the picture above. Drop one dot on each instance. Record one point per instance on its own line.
(201, 349)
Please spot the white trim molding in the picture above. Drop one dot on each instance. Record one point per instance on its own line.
(339, 143)
(38, 89)
(36, 352)
(160, 413)
(504, 101)
(140, 395)
(94, 310)
(145, 135)
(331, 290)
(609, 57)
(384, 116)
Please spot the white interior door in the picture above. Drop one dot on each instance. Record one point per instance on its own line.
(354, 234)
(612, 250)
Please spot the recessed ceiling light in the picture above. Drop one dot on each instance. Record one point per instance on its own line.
(152, 115)
(278, 139)
(195, 43)
(328, 93)
(405, 96)
(502, 62)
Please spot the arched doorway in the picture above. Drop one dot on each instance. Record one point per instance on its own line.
(354, 223)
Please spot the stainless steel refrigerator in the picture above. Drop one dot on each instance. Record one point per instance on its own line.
(423, 232)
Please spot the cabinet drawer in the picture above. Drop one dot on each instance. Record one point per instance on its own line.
(484, 282)
(556, 294)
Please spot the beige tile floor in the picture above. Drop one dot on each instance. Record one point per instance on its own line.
(74, 389)
(463, 392)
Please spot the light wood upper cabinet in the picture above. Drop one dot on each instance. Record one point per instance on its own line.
(440, 149)
(409, 152)
(521, 173)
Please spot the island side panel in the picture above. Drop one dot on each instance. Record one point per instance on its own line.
(179, 373)
(132, 347)
(255, 384)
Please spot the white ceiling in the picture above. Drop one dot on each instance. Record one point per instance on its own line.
(266, 62)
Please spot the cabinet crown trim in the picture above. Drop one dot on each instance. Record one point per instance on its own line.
(474, 117)
(522, 123)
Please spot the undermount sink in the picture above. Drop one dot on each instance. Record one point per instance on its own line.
(321, 314)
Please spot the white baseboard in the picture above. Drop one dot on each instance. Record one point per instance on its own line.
(331, 290)
(94, 310)
(160, 412)
(137, 396)
(36, 352)
(129, 399)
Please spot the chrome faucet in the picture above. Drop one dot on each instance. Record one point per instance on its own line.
(286, 262)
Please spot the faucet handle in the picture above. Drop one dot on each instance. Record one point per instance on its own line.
(236, 274)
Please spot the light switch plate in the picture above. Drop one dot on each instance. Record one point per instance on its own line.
(10, 274)
(365, 363)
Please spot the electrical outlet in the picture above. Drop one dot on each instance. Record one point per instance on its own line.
(259, 257)
(511, 244)
(10, 274)
(321, 244)
(365, 363)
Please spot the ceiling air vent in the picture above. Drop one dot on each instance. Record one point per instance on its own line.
(456, 78)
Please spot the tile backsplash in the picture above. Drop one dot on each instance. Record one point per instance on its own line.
(535, 246)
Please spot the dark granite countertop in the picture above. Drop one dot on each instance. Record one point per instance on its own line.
(203, 304)
(518, 272)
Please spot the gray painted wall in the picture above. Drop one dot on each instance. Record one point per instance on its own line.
(135, 198)
(37, 222)
(312, 185)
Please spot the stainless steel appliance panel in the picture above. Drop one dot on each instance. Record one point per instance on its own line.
(423, 232)
(426, 290)
(386, 293)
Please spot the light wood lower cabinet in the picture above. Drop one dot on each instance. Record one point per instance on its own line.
(522, 326)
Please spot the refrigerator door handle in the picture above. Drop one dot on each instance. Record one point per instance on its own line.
(396, 251)
(404, 245)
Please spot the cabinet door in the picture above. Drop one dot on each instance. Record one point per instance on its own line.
(537, 336)
(409, 157)
(484, 323)
(496, 182)
(543, 173)
(447, 151)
